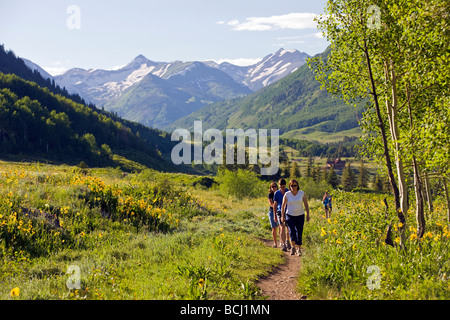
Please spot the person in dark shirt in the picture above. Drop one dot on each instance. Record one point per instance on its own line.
(273, 217)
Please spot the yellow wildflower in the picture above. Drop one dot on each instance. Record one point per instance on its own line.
(428, 235)
(15, 292)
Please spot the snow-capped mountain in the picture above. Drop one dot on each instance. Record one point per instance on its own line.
(170, 89)
(103, 86)
(274, 67)
(99, 86)
(270, 69)
(174, 91)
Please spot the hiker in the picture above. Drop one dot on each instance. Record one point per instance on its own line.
(273, 217)
(277, 201)
(327, 204)
(293, 213)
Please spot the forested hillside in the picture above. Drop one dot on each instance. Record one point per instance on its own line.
(10, 63)
(34, 121)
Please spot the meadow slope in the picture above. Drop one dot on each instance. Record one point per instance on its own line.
(72, 233)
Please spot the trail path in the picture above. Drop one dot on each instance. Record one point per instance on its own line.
(280, 283)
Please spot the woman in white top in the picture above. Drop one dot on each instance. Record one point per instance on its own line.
(294, 215)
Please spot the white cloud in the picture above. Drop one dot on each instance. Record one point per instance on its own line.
(233, 22)
(57, 67)
(301, 20)
(54, 71)
(318, 35)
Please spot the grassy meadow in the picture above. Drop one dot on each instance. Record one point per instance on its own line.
(348, 258)
(153, 235)
(310, 133)
(139, 236)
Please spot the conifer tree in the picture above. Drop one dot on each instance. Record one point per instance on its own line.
(378, 183)
(333, 179)
(286, 170)
(309, 167)
(348, 178)
(363, 176)
(295, 171)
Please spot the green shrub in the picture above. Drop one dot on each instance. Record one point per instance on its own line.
(240, 184)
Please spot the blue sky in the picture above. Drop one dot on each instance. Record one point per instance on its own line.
(61, 34)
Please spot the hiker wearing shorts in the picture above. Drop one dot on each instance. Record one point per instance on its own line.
(278, 200)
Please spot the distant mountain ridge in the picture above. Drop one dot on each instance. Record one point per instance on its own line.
(172, 91)
(134, 92)
(271, 68)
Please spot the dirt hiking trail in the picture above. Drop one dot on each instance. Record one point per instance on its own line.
(280, 283)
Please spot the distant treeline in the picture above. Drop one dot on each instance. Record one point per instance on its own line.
(346, 148)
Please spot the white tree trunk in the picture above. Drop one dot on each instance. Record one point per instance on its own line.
(392, 107)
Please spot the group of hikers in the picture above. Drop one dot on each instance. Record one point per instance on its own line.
(287, 214)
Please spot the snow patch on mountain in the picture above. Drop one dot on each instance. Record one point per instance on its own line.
(160, 73)
(137, 75)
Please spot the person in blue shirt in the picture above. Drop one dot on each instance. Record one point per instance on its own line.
(327, 204)
(277, 202)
